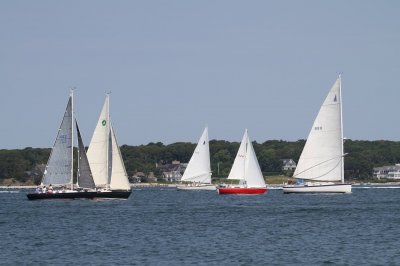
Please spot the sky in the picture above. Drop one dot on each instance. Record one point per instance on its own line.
(174, 67)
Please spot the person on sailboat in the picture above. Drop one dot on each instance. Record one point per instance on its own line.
(50, 189)
(38, 190)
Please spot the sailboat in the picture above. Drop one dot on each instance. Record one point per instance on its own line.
(322, 159)
(198, 171)
(246, 169)
(105, 159)
(58, 175)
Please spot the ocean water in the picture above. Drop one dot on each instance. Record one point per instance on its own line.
(168, 227)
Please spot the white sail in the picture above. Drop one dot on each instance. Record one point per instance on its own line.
(99, 146)
(59, 167)
(238, 167)
(119, 178)
(246, 167)
(322, 156)
(253, 174)
(198, 169)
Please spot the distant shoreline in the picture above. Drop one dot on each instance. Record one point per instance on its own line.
(140, 185)
(133, 185)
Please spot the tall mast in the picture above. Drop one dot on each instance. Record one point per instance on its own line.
(109, 147)
(245, 158)
(78, 173)
(72, 139)
(341, 126)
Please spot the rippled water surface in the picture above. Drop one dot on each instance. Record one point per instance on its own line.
(169, 227)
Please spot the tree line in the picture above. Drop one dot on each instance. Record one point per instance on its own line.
(362, 156)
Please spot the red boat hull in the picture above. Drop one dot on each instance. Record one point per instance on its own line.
(242, 190)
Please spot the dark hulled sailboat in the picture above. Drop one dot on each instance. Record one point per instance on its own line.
(58, 175)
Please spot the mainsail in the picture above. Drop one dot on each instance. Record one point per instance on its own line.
(85, 178)
(322, 156)
(198, 168)
(246, 167)
(59, 166)
(99, 146)
(238, 167)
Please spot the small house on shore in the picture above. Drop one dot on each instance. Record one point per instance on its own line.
(288, 164)
(387, 172)
(173, 172)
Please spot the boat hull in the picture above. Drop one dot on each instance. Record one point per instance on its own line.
(113, 194)
(331, 188)
(200, 187)
(244, 191)
(61, 195)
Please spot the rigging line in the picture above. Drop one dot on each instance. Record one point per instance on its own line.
(194, 177)
(320, 164)
(314, 178)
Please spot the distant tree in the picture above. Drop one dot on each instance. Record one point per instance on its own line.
(221, 162)
(361, 158)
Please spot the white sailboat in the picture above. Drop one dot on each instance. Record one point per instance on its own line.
(58, 175)
(322, 160)
(246, 169)
(198, 171)
(105, 158)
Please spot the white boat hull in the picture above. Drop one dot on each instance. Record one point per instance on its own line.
(331, 188)
(199, 187)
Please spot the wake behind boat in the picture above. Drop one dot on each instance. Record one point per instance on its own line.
(58, 174)
(198, 171)
(322, 159)
(247, 170)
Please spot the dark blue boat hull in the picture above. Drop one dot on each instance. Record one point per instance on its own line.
(62, 195)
